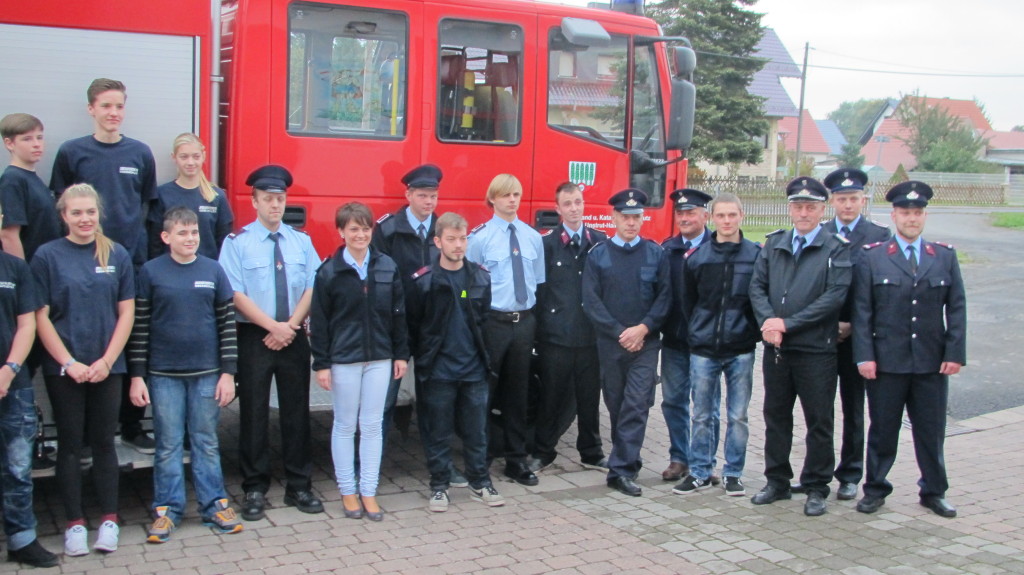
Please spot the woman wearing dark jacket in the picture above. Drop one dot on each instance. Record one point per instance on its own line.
(359, 343)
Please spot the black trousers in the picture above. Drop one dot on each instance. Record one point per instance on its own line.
(811, 377)
(570, 387)
(627, 381)
(924, 396)
(510, 346)
(851, 393)
(290, 369)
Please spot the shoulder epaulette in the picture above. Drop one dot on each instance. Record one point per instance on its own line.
(546, 232)
(841, 239)
(869, 246)
(478, 228)
(236, 234)
(945, 245)
(776, 232)
(690, 251)
(385, 218)
(421, 272)
(881, 225)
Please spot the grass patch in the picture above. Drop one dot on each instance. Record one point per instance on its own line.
(757, 233)
(1013, 220)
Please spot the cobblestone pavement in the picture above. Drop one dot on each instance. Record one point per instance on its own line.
(572, 523)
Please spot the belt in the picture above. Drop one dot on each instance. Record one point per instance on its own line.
(510, 316)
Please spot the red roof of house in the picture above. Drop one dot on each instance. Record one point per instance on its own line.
(892, 152)
(965, 109)
(812, 142)
(1004, 140)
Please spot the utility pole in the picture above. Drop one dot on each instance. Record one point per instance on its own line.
(800, 119)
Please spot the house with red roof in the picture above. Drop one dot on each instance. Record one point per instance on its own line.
(812, 143)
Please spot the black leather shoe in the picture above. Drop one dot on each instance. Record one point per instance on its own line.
(847, 491)
(770, 494)
(600, 464)
(520, 473)
(33, 554)
(797, 488)
(626, 486)
(939, 506)
(870, 503)
(536, 464)
(304, 501)
(815, 504)
(253, 506)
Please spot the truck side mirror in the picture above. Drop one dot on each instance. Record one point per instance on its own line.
(683, 100)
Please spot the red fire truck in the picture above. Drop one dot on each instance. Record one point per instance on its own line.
(350, 94)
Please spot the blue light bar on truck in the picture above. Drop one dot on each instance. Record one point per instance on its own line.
(629, 6)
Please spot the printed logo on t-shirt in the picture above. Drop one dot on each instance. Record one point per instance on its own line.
(207, 209)
(8, 285)
(106, 270)
(204, 284)
(129, 170)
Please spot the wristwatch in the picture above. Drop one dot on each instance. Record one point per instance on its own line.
(15, 367)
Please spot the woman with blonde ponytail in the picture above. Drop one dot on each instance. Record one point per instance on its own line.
(87, 282)
(192, 190)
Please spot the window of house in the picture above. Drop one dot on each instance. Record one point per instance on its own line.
(591, 103)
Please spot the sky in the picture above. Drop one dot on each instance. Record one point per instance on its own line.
(980, 37)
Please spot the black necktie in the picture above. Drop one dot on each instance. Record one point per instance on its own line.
(575, 242)
(518, 273)
(845, 231)
(912, 258)
(280, 281)
(422, 231)
(800, 241)
(687, 245)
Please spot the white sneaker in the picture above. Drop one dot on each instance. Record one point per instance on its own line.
(76, 543)
(106, 540)
(439, 501)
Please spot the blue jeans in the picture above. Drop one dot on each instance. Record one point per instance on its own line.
(358, 392)
(175, 401)
(445, 405)
(17, 432)
(705, 375)
(675, 402)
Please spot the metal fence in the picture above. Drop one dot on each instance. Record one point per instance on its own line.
(764, 200)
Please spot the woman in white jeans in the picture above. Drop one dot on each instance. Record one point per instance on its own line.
(359, 343)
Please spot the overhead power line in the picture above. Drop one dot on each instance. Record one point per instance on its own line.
(868, 70)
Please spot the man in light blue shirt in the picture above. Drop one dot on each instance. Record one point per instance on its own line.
(271, 267)
(514, 254)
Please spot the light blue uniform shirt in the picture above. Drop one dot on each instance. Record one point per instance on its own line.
(903, 247)
(248, 259)
(810, 237)
(851, 225)
(622, 243)
(415, 224)
(360, 269)
(488, 246)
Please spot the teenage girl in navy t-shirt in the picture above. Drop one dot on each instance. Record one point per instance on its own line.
(88, 284)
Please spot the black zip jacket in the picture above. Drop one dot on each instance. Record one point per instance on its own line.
(807, 294)
(560, 317)
(430, 306)
(674, 332)
(717, 300)
(353, 320)
(397, 240)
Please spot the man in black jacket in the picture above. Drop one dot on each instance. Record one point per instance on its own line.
(800, 281)
(911, 317)
(722, 336)
(626, 295)
(448, 305)
(567, 350)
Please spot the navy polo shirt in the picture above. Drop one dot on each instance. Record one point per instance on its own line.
(18, 296)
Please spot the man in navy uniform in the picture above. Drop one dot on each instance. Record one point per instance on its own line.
(910, 314)
(848, 200)
(271, 266)
(627, 293)
(800, 282)
(691, 217)
(566, 347)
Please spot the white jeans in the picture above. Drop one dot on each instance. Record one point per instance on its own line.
(358, 391)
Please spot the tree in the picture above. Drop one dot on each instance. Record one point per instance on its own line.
(940, 141)
(1018, 128)
(853, 118)
(724, 34)
(851, 157)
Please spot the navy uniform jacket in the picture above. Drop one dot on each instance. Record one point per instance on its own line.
(634, 292)
(865, 232)
(807, 294)
(910, 325)
(394, 238)
(560, 317)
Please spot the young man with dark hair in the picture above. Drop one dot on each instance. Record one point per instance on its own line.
(123, 172)
(30, 218)
(182, 356)
(448, 309)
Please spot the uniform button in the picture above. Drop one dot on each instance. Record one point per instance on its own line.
(552, 310)
(913, 336)
(914, 302)
(913, 319)
(558, 263)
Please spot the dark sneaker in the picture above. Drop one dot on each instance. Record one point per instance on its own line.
(488, 495)
(253, 506)
(456, 478)
(224, 519)
(690, 484)
(143, 443)
(34, 555)
(439, 501)
(734, 487)
(304, 501)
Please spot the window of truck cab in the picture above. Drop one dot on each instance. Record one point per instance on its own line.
(347, 71)
(480, 72)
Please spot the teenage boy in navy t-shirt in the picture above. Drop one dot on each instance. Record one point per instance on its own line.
(183, 345)
(123, 171)
(30, 218)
